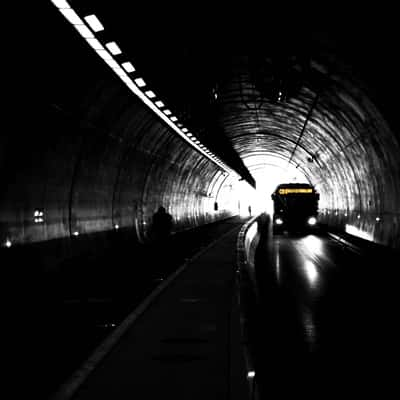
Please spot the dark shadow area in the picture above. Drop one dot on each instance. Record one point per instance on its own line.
(59, 316)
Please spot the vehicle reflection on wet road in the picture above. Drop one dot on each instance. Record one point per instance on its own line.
(326, 320)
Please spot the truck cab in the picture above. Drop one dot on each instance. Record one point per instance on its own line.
(295, 208)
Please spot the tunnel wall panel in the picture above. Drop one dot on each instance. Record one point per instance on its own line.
(366, 176)
(330, 128)
(89, 177)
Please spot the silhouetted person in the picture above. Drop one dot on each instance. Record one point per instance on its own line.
(161, 232)
(249, 208)
(162, 224)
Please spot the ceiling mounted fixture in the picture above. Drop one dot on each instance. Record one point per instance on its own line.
(110, 49)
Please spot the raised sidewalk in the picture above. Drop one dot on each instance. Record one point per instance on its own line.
(182, 342)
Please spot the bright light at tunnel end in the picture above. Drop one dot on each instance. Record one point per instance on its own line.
(270, 170)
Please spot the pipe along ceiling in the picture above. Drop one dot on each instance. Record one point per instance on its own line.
(97, 157)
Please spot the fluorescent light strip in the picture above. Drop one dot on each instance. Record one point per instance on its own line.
(150, 94)
(104, 54)
(151, 105)
(112, 63)
(96, 26)
(95, 44)
(140, 82)
(128, 67)
(113, 48)
(94, 23)
(84, 31)
(60, 3)
(71, 16)
(120, 72)
(127, 80)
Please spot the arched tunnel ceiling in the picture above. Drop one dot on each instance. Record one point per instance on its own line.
(322, 101)
(315, 98)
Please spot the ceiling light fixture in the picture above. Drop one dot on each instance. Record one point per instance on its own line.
(94, 23)
(84, 31)
(128, 67)
(95, 44)
(71, 16)
(150, 94)
(104, 54)
(140, 82)
(61, 3)
(113, 48)
(119, 71)
(112, 63)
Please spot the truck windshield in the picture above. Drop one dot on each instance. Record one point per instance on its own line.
(296, 203)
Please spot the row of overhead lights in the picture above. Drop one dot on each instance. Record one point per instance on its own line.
(138, 85)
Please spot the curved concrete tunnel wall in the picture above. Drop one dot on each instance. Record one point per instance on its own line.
(332, 130)
(155, 168)
(95, 159)
(361, 188)
(89, 179)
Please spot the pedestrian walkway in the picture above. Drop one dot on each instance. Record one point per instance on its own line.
(183, 342)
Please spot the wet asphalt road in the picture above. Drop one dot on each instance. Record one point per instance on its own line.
(326, 324)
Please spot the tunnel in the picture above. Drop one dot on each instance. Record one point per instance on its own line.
(112, 124)
(99, 153)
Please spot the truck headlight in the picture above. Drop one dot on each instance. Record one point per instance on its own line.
(279, 221)
(312, 221)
